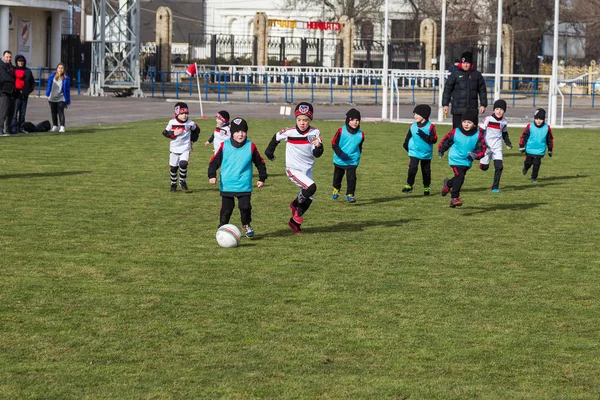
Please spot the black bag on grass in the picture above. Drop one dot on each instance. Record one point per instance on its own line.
(43, 126)
(29, 127)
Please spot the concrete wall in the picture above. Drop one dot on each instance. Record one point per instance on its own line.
(38, 28)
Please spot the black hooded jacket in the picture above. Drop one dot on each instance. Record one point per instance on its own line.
(462, 90)
(25, 74)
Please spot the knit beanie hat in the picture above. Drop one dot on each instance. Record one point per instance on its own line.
(239, 124)
(467, 56)
(180, 108)
(223, 116)
(423, 110)
(470, 115)
(353, 113)
(540, 113)
(304, 108)
(500, 104)
(21, 57)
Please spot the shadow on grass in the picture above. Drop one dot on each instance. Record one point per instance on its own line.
(368, 202)
(43, 174)
(354, 226)
(527, 184)
(502, 207)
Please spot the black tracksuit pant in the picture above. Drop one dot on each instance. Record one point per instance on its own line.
(228, 204)
(413, 168)
(455, 183)
(338, 176)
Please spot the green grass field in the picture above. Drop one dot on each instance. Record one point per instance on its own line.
(113, 287)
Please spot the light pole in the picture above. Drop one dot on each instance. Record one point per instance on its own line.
(442, 63)
(554, 79)
(498, 68)
(384, 77)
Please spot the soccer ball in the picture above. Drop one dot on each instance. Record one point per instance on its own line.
(228, 236)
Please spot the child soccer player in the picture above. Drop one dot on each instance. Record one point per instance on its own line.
(235, 158)
(494, 130)
(221, 133)
(347, 146)
(534, 141)
(304, 144)
(183, 132)
(466, 144)
(419, 143)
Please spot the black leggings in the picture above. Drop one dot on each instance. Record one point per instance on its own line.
(338, 175)
(413, 167)
(455, 183)
(227, 205)
(57, 109)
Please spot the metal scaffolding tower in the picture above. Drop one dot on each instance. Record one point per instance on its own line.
(115, 47)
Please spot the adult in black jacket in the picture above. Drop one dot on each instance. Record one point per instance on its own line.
(24, 84)
(7, 89)
(462, 88)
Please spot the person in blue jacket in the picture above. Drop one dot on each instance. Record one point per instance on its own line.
(534, 141)
(419, 143)
(347, 147)
(58, 93)
(464, 145)
(235, 158)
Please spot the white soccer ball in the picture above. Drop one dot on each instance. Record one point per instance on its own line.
(228, 236)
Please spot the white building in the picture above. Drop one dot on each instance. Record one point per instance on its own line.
(33, 28)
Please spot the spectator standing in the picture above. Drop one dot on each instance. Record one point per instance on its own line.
(59, 96)
(7, 89)
(463, 88)
(24, 84)
(151, 66)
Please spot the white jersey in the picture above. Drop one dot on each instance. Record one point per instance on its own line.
(221, 134)
(494, 130)
(298, 151)
(182, 142)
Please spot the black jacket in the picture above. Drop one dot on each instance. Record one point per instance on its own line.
(462, 89)
(7, 79)
(29, 82)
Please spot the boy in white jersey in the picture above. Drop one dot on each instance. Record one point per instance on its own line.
(304, 144)
(222, 132)
(494, 128)
(182, 132)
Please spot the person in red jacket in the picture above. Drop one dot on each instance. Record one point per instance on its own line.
(24, 84)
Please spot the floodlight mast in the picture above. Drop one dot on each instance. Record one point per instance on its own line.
(442, 63)
(384, 74)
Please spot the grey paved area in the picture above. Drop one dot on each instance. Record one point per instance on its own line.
(110, 110)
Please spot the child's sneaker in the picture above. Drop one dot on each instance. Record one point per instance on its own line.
(336, 194)
(248, 230)
(445, 188)
(296, 216)
(524, 171)
(184, 186)
(295, 227)
(350, 198)
(62, 129)
(407, 189)
(495, 190)
(173, 187)
(54, 129)
(426, 190)
(533, 180)
(455, 202)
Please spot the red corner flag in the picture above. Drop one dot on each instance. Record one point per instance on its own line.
(191, 69)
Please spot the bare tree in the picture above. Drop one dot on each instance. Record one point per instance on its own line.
(360, 10)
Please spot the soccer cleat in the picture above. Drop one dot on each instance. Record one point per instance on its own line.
(296, 216)
(524, 171)
(336, 194)
(173, 187)
(407, 189)
(248, 230)
(426, 191)
(455, 202)
(533, 180)
(445, 188)
(495, 190)
(295, 227)
(54, 129)
(184, 186)
(61, 129)
(350, 198)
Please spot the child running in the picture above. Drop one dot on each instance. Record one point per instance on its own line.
(494, 128)
(534, 141)
(347, 146)
(235, 158)
(465, 144)
(183, 132)
(419, 143)
(221, 133)
(304, 144)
